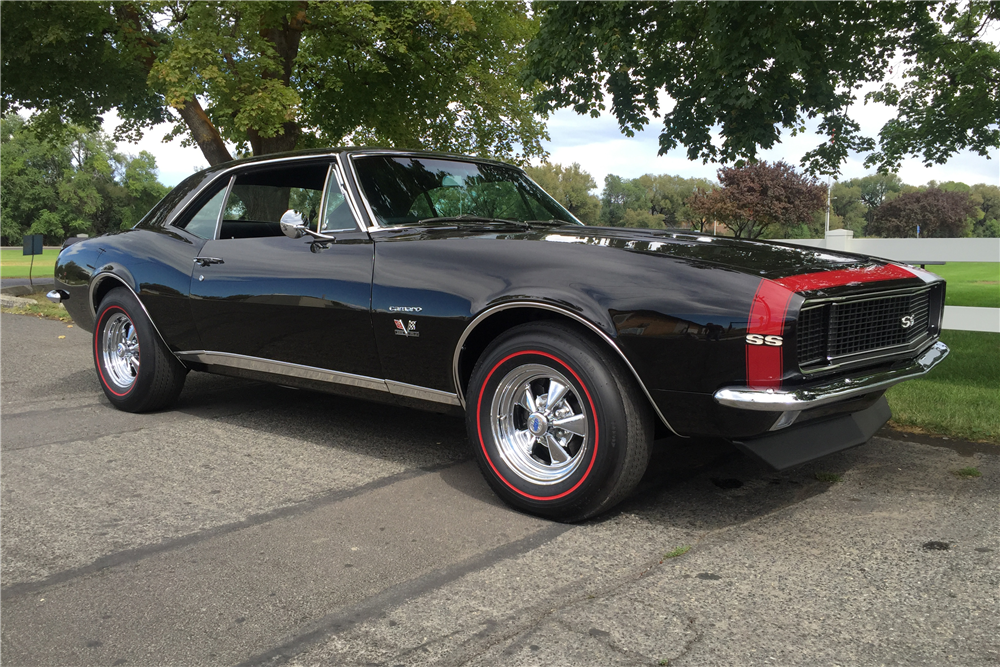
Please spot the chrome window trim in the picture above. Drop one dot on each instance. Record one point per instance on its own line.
(100, 278)
(261, 365)
(432, 156)
(322, 199)
(342, 180)
(556, 309)
(222, 211)
(804, 398)
(229, 171)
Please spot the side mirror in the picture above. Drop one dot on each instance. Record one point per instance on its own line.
(293, 230)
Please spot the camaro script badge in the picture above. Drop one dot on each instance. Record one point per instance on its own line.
(409, 329)
(906, 322)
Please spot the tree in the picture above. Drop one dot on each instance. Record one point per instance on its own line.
(274, 76)
(936, 213)
(754, 198)
(754, 69)
(78, 184)
(668, 196)
(619, 196)
(986, 198)
(571, 187)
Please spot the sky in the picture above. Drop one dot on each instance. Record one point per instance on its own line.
(601, 149)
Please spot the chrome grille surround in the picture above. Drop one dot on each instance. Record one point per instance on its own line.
(838, 331)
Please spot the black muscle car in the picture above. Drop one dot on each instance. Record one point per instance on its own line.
(456, 284)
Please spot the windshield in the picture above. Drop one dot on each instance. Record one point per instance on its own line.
(411, 190)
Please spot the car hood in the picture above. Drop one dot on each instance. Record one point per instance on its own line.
(766, 259)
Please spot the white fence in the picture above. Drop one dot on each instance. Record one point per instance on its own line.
(925, 251)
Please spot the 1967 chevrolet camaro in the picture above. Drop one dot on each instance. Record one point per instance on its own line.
(456, 284)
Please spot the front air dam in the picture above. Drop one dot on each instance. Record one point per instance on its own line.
(794, 446)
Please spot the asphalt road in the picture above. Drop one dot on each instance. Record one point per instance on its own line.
(258, 525)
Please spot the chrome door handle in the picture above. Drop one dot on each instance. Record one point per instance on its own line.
(206, 261)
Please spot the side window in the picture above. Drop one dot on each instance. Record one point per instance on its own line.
(261, 198)
(204, 221)
(338, 212)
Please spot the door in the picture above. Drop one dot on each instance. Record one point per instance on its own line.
(258, 296)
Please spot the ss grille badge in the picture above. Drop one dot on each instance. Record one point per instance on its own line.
(906, 322)
(760, 339)
(409, 329)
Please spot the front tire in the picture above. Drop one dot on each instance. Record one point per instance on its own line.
(558, 426)
(136, 371)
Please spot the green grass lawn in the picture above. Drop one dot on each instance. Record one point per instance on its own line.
(971, 283)
(961, 397)
(14, 264)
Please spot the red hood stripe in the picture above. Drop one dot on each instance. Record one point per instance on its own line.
(770, 305)
(865, 274)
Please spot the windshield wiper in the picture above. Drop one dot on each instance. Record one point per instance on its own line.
(551, 222)
(471, 218)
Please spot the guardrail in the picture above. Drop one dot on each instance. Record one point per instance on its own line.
(925, 251)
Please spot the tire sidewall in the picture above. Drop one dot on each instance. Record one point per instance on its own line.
(595, 387)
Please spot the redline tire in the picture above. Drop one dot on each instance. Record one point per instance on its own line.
(558, 427)
(134, 368)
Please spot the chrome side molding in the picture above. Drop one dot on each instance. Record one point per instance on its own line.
(287, 369)
(803, 398)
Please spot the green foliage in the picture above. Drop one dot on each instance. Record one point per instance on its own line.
(276, 76)
(755, 69)
(761, 197)
(76, 183)
(669, 197)
(935, 212)
(620, 196)
(570, 186)
(950, 98)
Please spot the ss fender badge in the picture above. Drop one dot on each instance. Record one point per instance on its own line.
(409, 329)
(760, 339)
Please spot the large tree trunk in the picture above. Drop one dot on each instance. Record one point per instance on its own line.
(204, 132)
(286, 42)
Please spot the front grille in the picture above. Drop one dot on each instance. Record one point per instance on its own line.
(863, 326)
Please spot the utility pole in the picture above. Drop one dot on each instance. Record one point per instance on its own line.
(828, 188)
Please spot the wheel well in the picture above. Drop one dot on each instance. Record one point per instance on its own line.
(106, 285)
(494, 325)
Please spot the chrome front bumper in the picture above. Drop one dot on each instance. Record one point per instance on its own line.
(804, 398)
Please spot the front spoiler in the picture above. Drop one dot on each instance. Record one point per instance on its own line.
(805, 398)
(797, 445)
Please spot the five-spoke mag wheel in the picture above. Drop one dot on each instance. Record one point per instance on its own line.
(539, 424)
(120, 350)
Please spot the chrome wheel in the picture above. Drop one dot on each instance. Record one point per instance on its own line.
(539, 424)
(120, 350)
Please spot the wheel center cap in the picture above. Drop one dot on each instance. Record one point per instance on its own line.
(121, 350)
(537, 423)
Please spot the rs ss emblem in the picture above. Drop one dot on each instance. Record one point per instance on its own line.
(760, 339)
(906, 322)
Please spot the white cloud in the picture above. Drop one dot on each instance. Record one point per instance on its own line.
(174, 162)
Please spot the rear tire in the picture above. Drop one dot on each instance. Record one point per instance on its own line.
(570, 458)
(136, 371)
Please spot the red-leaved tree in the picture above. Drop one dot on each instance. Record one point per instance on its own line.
(759, 196)
(936, 213)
